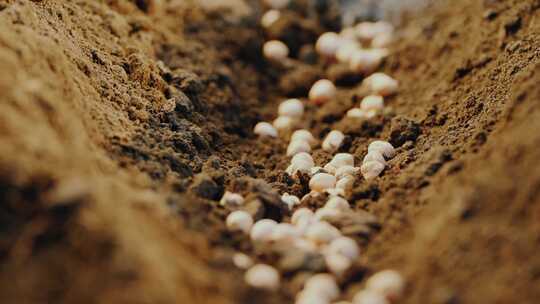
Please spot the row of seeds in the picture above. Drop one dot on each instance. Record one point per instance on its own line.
(311, 230)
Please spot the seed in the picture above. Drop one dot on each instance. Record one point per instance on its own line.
(383, 147)
(290, 200)
(338, 203)
(342, 159)
(275, 50)
(324, 285)
(304, 245)
(283, 123)
(327, 214)
(345, 171)
(322, 232)
(322, 181)
(270, 17)
(374, 156)
(302, 213)
(304, 135)
(348, 33)
(356, 113)
(231, 199)
(366, 61)
(333, 141)
(302, 162)
(382, 40)
(322, 91)
(277, 4)
(285, 232)
(337, 263)
(291, 107)
(344, 246)
(381, 84)
(298, 146)
(372, 102)
(345, 183)
(347, 50)
(335, 192)
(262, 276)
(239, 220)
(242, 261)
(328, 44)
(310, 298)
(371, 169)
(367, 31)
(369, 297)
(262, 230)
(265, 129)
(316, 170)
(329, 168)
(388, 283)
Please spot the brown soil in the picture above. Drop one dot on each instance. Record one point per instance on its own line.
(121, 124)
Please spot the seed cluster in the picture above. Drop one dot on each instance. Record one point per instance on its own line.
(363, 49)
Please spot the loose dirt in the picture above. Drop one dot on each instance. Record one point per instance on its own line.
(123, 122)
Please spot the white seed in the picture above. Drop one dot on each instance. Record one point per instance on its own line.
(372, 102)
(382, 40)
(348, 33)
(305, 297)
(374, 156)
(275, 50)
(302, 162)
(381, 84)
(324, 285)
(322, 91)
(242, 261)
(231, 199)
(283, 123)
(356, 113)
(371, 169)
(327, 214)
(322, 232)
(305, 245)
(262, 276)
(329, 168)
(344, 171)
(383, 147)
(277, 4)
(285, 232)
(262, 230)
(369, 297)
(322, 181)
(345, 183)
(337, 263)
(304, 135)
(366, 61)
(344, 246)
(270, 17)
(367, 31)
(342, 159)
(302, 213)
(389, 283)
(265, 129)
(291, 107)
(239, 220)
(338, 203)
(333, 141)
(290, 200)
(316, 170)
(298, 146)
(346, 50)
(328, 44)
(335, 192)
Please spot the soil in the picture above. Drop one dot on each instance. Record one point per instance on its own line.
(123, 122)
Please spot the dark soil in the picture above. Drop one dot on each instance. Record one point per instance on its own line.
(123, 122)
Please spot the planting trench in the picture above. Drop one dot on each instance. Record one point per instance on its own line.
(109, 197)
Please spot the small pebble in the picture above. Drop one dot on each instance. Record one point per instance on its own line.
(322, 91)
(329, 168)
(265, 129)
(367, 31)
(338, 203)
(304, 135)
(283, 123)
(383, 147)
(381, 84)
(322, 232)
(285, 232)
(322, 181)
(270, 17)
(344, 246)
(328, 44)
(242, 261)
(382, 41)
(337, 263)
(231, 199)
(344, 171)
(291, 107)
(342, 159)
(356, 113)
(374, 156)
(262, 230)
(345, 183)
(372, 102)
(239, 220)
(366, 61)
(371, 169)
(275, 50)
(324, 285)
(302, 213)
(327, 214)
(298, 146)
(347, 50)
(290, 200)
(333, 141)
(262, 276)
(302, 162)
(389, 283)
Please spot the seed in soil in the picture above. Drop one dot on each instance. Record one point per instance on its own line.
(372, 102)
(333, 141)
(239, 221)
(270, 17)
(383, 147)
(389, 283)
(304, 135)
(263, 276)
(262, 230)
(328, 44)
(371, 169)
(265, 129)
(381, 84)
(231, 199)
(298, 146)
(322, 91)
(322, 181)
(324, 285)
(275, 50)
(291, 107)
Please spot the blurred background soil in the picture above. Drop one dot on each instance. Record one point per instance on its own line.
(122, 122)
